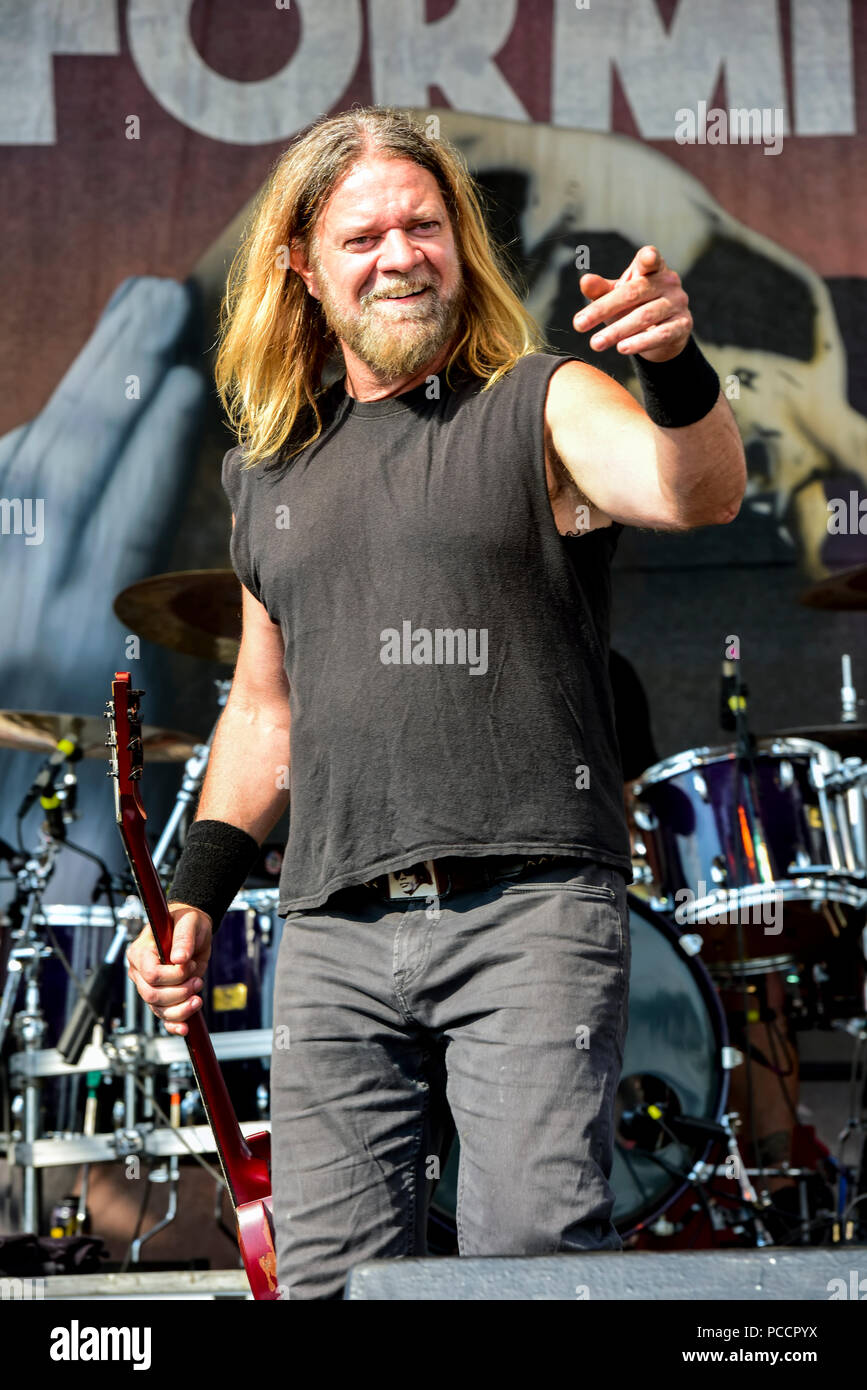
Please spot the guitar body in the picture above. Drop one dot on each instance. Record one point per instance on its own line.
(256, 1241)
(255, 1222)
(245, 1162)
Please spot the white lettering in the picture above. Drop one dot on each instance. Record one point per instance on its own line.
(662, 72)
(32, 34)
(245, 113)
(408, 55)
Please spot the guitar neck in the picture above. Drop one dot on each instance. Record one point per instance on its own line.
(240, 1168)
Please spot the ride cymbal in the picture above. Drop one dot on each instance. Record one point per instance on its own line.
(849, 740)
(197, 612)
(846, 590)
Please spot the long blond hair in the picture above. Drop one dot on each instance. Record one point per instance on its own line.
(274, 342)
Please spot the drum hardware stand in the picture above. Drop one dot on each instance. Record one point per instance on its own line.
(848, 693)
(32, 880)
(750, 1197)
(701, 1171)
(856, 799)
(89, 1130)
(179, 1072)
(848, 777)
(28, 1026)
(744, 764)
(855, 1126)
(125, 1142)
(191, 782)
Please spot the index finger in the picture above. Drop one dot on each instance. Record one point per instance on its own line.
(646, 261)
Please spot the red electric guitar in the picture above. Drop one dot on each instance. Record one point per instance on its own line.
(245, 1162)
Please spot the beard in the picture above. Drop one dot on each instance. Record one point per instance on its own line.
(394, 342)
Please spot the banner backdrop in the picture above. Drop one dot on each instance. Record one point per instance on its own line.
(134, 135)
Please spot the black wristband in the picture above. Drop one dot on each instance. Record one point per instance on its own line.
(680, 391)
(214, 864)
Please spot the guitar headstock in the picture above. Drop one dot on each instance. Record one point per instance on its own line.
(124, 742)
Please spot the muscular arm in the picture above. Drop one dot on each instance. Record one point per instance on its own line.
(634, 471)
(631, 469)
(250, 754)
(250, 749)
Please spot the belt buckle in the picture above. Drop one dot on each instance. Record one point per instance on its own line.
(417, 881)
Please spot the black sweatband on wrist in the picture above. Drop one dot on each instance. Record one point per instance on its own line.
(214, 864)
(680, 391)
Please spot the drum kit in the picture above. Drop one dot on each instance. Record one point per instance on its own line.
(750, 884)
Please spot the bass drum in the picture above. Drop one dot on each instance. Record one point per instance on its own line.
(674, 1058)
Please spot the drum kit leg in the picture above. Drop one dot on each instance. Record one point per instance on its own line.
(747, 917)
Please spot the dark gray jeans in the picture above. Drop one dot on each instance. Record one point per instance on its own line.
(511, 1003)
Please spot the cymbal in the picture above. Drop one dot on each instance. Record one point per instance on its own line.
(845, 590)
(193, 611)
(37, 731)
(849, 740)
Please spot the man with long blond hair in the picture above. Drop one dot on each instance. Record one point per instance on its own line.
(417, 482)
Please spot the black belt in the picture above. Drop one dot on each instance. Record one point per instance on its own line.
(441, 878)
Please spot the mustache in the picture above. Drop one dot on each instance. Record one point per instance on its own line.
(398, 288)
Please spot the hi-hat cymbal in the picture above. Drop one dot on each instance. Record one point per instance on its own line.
(192, 611)
(839, 592)
(849, 740)
(37, 731)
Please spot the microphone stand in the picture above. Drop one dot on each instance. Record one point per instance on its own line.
(744, 820)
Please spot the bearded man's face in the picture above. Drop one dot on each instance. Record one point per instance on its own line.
(385, 268)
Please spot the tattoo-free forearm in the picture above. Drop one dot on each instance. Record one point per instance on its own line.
(702, 468)
(248, 771)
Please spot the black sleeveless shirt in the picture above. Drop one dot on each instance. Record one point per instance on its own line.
(446, 648)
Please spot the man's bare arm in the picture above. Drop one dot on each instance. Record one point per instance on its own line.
(248, 767)
(635, 471)
(630, 468)
(245, 786)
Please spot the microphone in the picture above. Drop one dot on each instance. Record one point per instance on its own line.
(53, 808)
(732, 696)
(43, 782)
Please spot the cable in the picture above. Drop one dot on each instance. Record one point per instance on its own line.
(215, 1173)
(853, 1205)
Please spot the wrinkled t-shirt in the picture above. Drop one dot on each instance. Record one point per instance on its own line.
(446, 648)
